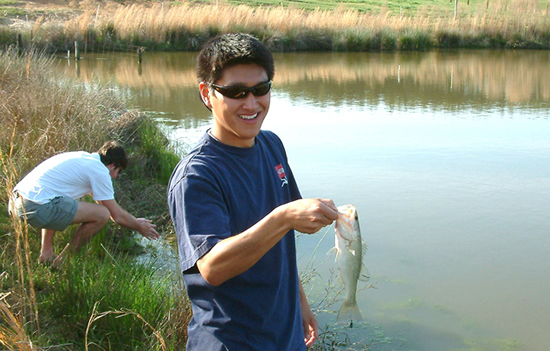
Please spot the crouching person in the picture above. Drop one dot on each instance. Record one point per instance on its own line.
(48, 198)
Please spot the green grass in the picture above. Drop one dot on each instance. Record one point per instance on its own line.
(395, 7)
(11, 12)
(146, 139)
(359, 5)
(115, 303)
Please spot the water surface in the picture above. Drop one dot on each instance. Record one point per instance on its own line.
(444, 154)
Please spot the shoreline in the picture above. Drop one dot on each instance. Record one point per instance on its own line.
(158, 27)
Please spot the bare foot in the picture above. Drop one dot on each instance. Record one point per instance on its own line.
(58, 261)
(43, 259)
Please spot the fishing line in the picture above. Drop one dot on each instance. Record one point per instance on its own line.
(313, 253)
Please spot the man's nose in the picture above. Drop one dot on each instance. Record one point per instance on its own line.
(250, 101)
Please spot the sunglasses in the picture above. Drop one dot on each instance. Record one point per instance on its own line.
(240, 92)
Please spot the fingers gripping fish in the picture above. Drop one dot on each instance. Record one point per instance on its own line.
(350, 249)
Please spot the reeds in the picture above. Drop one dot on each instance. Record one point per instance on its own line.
(47, 115)
(186, 26)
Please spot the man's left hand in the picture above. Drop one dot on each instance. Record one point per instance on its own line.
(147, 229)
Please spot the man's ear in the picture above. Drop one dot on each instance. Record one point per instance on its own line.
(204, 95)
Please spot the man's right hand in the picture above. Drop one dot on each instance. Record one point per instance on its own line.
(310, 215)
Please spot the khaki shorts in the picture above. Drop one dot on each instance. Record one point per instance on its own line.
(55, 215)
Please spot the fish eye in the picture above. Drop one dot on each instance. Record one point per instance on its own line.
(356, 216)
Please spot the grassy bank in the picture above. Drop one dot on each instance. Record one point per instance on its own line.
(284, 26)
(102, 299)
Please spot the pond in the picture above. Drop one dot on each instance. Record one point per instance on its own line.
(446, 156)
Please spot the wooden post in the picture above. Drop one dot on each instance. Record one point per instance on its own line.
(456, 9)
(19, 43)
(76, 51)
(140, 54)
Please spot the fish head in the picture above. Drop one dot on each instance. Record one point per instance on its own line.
(347, 224)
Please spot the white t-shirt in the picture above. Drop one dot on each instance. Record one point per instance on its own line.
(72, 174)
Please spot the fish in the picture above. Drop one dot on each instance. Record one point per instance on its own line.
(350, 249)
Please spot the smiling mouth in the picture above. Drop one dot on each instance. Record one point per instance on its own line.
(249, 117)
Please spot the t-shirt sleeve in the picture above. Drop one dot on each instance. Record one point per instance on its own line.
(101, 183)
(200, 216)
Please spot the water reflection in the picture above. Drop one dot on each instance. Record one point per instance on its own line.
(435, 80)
(440, 80)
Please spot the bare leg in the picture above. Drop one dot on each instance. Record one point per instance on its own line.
(46, 249)
(85, 233)
(93, 217)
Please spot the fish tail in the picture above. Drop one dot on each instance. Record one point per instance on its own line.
(349, 311)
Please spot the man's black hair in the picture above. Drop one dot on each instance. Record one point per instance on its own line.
(112, 152)
(231, 49)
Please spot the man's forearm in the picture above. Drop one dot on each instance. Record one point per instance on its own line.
(236, 254)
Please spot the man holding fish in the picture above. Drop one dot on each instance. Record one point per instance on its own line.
(235, 206)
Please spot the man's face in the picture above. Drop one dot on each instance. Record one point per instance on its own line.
(238, 121)
(113, 170)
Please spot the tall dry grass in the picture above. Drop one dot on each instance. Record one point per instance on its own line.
(42, 116)
(114, 26)
(520, 20)
(12, 332)
(156, 20)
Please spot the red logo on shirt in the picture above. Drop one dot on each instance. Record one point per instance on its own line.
(282, 175)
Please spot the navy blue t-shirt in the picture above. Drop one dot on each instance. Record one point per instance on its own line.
(217, 191)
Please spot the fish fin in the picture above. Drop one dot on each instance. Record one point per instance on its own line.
(331, 251)
(364, 275)
(349, 311)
